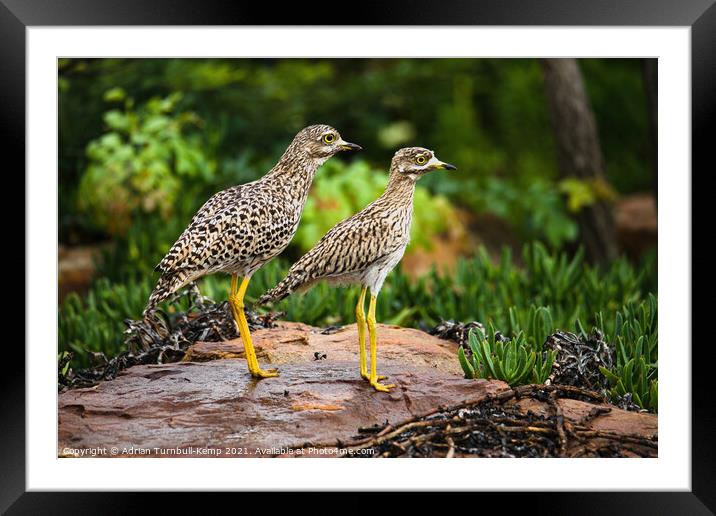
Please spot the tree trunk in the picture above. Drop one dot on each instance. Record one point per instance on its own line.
(579, 152)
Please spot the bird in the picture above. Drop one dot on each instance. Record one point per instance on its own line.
(364, 248)
(240, 229)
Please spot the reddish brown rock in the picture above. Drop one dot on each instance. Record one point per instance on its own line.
(616, 420)
(188, 408)
(76, 267)
(636, 222)
(208, 404)
(613, 421)
(296, 343)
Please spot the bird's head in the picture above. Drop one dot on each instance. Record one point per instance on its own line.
(413, 162)
(322, 141)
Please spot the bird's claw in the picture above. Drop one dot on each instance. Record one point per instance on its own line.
(261, 373)
(381, 387)
(365, 376)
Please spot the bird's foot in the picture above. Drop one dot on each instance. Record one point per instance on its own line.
(261, 373)
(379, 386)
(365, 376)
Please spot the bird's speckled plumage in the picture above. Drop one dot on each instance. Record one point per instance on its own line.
(243, 227)
(367, 246)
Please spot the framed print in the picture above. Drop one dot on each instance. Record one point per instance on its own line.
(284, 240)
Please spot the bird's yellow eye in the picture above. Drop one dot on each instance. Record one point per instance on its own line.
(329, 138)
(420, 160)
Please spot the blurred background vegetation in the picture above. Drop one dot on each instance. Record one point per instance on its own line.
(144, 142)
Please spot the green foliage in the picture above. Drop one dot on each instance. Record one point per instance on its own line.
(482, 290)
(543, 366)
(550, 291)
(539, 325)
(617, 96)
(536, 209)
(508, 360)
(63, 356)
(516, 359)
(521, 359)
(95, 323)
(488, 116)
(340, 190)
(133, 255)
(554, 275)
(581, 193)
(139, 163)
(635, 337)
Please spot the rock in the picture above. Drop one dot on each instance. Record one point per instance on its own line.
(188, 407)
(296, 343)
(76, 267)
(636, 223)
(616, 420)
(209, 405)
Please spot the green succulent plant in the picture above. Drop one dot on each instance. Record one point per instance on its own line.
(635, 337)
(513, 360)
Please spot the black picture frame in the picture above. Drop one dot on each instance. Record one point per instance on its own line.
(17, 15)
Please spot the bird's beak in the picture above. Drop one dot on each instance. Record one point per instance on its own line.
(348, 146)
(436, 164)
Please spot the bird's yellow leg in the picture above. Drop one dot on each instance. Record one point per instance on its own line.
(374, 378)
(360, 320)
(233, 303)
(236, 300)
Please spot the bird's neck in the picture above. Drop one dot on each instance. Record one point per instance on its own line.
(294, 173)
(400, 190)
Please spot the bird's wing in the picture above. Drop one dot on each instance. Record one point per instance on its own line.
(192, 248)
(350, 247)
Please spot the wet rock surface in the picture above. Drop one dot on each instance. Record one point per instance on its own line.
(194, 406)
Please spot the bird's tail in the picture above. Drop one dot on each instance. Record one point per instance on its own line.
(166, 286)
(294, 281)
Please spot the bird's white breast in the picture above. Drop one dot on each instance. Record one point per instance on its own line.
(375, 275)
